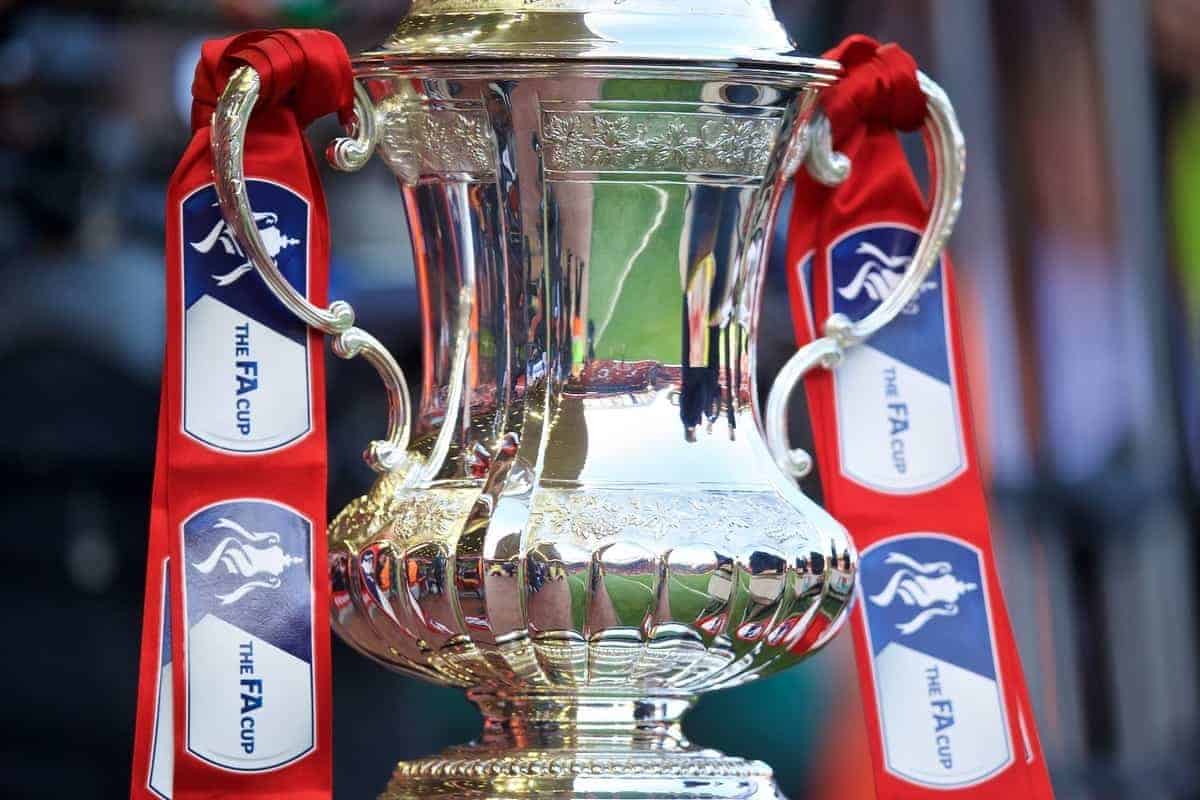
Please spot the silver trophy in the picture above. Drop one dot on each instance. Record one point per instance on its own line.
(587, 522)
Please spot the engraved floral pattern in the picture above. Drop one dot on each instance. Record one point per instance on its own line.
(409, 514)
(416, 140)
(613, 134)
(587, 141)
(433, 514)
(569, 139)
(594, 516)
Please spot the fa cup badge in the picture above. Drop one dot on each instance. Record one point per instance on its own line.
(247, 599)
(275, 241)
(257, 558)
(928, 624)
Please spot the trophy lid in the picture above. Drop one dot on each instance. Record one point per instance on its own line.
(641, 30)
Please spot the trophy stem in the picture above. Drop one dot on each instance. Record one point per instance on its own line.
(591, 723)
(582, 746)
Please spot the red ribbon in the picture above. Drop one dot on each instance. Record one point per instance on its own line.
(234, 692)
(945, 699)
(879, 88)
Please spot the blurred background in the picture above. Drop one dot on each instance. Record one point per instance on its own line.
(1079, 257)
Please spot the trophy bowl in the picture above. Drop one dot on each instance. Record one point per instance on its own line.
(584, 525)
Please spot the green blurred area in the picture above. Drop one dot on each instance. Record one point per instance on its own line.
(634, 278)
(309, 13)
(1184, 185)
(634, 281)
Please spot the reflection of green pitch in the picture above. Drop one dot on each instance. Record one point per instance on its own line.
(689, 597)
(578, 586)
(632, 598)
(635, 288)
(832, 607)
(694, 584)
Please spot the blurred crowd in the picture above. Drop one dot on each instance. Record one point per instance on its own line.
(1079, 249)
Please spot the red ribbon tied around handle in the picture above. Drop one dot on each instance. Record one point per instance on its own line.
(946, 707)
(306, 72)
(879, 88)
(234, 694)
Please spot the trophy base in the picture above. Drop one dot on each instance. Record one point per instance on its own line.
(582, 746)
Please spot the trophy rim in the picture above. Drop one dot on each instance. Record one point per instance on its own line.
(567, 35)
(801, 72)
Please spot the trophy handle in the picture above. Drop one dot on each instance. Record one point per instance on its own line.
(831, 168)
(230, 120)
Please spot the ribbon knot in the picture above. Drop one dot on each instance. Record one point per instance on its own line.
(306, 70)
(879, 88)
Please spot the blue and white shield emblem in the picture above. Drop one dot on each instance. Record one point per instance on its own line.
(941, 706)
(246, 382)
(899, 427)
(248, 598)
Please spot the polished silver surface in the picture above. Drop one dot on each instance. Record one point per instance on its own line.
(570, 746)
(745, 31)
(607, 526)
(825, 164)
(588, 529)
(824, 352)
(230, 120)
(351, 153)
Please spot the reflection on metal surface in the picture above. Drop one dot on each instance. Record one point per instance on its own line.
(590, 529)
(568, 746)
(351, 153)
(601, 525)
(604, 528)
(825, 164)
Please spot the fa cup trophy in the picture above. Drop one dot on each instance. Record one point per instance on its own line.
(588, 521)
